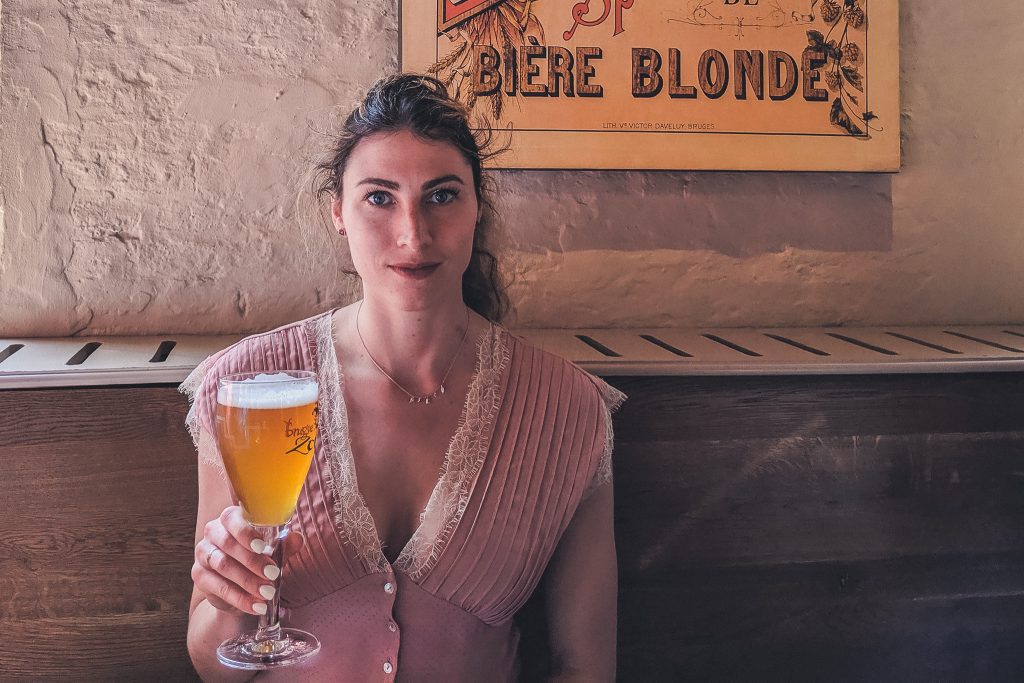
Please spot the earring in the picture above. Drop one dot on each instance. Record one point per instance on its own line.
(341, 231)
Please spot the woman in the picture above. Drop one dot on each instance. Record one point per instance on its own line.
(456, 466)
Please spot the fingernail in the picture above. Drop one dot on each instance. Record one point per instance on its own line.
(257, 545)
(259, 607)
(271, 571)
(267, 592)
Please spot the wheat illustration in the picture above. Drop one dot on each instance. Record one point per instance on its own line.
(510, 24)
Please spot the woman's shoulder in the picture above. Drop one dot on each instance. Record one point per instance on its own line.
(278, 343)
(287, 329)
(553, 368)
(287, 346)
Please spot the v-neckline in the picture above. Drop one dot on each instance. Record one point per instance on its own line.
(345, 454)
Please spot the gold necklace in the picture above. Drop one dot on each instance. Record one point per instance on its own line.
(413, 398)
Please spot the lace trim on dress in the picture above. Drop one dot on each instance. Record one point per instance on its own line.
(206, 445)
(466, 452)
(611, 399)
(351, 515)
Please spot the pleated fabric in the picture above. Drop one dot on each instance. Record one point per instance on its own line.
(533, 441)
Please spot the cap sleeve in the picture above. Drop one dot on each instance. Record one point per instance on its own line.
(611, 399)
(201, 389)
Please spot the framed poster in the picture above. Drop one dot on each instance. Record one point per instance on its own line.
(690, 84)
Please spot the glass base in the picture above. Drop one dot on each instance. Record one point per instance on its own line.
(245, 652)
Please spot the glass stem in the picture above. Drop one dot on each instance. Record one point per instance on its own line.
(270, 624)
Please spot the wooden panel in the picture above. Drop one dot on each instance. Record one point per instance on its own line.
(96, 545)
(696, 408)
(826, 622)
(46, 418)
(141, 646)
(783, 528)
(812, 499)
(839, 528)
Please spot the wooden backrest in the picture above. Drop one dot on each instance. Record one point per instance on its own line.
(797, 528)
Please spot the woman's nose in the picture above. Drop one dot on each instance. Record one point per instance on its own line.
(414, 230)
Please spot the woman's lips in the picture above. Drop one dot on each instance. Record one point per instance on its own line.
(414, 272)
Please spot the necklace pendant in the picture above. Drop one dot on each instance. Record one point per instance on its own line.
(413, 398)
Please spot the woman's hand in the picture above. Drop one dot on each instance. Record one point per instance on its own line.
(227, 573)
(230, 569)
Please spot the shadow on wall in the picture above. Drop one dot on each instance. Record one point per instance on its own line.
(736, 214)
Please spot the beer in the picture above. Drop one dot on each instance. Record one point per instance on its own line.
(266, 431)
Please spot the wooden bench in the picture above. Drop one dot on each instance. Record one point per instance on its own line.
(775, 520)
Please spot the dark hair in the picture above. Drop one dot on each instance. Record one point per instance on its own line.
(422, 105)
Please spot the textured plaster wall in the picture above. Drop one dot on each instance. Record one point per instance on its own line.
(154, 152)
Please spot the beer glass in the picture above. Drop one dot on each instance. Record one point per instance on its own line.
(266, 432)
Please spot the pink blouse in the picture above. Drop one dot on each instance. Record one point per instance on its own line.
(534, 439)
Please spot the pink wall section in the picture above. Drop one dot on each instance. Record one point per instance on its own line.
(153, 180)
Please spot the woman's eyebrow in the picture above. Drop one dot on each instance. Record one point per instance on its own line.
(443, 179)
(390, 184)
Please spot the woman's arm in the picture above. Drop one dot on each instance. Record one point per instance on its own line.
(581, 586)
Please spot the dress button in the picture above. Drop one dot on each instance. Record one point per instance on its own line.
(389, 587)
(392, 626)
(388, 668)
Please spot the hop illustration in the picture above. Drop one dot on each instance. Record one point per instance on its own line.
(832, 80)
(851, 52)
(830, 11)
(854, 16)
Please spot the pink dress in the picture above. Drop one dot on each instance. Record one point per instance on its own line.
(534, 440)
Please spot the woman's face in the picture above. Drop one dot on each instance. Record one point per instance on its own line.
(409, 208)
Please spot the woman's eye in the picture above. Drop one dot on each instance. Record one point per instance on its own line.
(443, 196)
(378, 198)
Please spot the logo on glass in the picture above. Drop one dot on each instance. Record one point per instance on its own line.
(304, 436)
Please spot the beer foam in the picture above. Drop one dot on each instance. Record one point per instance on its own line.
(277, 390)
